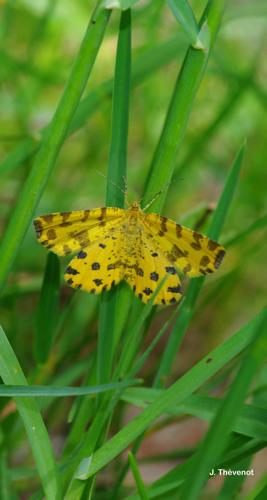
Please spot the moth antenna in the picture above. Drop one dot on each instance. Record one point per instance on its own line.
(124, 191)
(152, 200)
(158, 194)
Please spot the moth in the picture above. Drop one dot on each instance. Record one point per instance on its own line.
(113, 244)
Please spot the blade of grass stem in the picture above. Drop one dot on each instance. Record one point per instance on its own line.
(51, 391)
(182, 100)
(11, 373)
(47, 311)
(116, 176)
(187, 307)
(132, 340)
(186, 18)
(137, 477)
(51, 143)
(5, 491)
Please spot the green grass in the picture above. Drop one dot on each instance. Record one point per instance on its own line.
(166, 99)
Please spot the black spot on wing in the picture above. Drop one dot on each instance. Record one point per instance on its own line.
(187, 268)
(98, 281)
(82, 255)
(196, 244)
(38, 228)
(51, 234)
(170, 270)
(71, 270)
(204, 261)
(174, 289)
(66, 249)
(95, 266)
(219, 257)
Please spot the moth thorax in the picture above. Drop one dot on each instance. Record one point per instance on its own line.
(135, 207)
(132, 228)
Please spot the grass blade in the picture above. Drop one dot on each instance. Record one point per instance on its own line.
(226, 197)
(51, 144)
(47, 309)
(179, 111)
(109, 306)
(116, 180)
(185, 16)
(11, 373)
(137, 477)
(50, 391)
(188, 305)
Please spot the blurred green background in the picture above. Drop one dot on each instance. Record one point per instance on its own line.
(38, 42)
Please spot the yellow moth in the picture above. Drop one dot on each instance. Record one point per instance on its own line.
(113, 244)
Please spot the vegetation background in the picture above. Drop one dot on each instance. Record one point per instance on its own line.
(188, 415)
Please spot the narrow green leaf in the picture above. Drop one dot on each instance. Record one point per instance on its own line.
(51, 143)
(137, 477)
(179, 111)
(47, 312)
(116, 176)
(5, 489)
(185, 16)
(52, 391)
(226, 197)
(115, 189)
(11, 373)
(188, 305)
